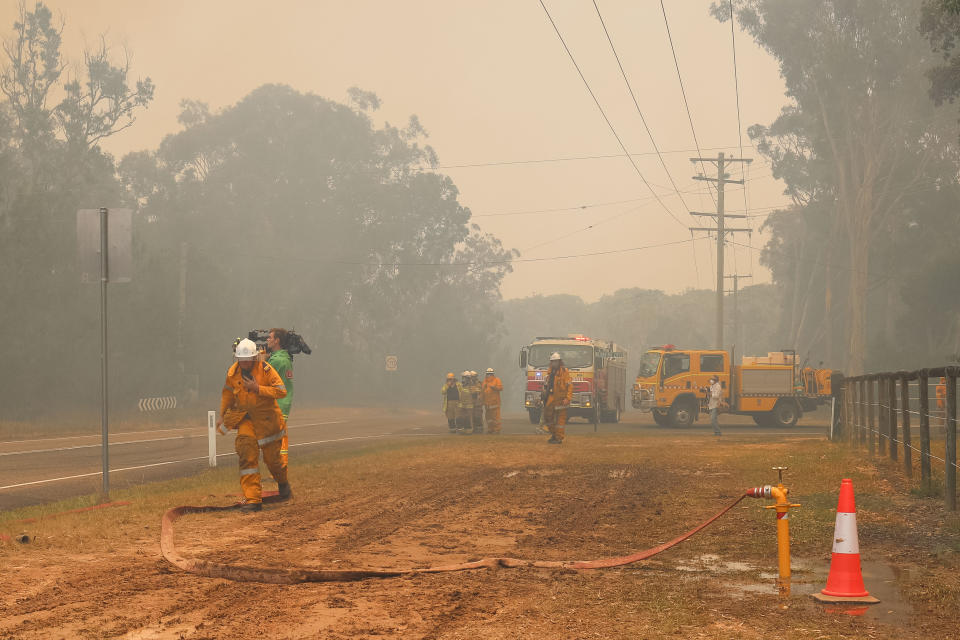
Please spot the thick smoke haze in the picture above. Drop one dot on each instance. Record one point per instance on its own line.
(433, 180)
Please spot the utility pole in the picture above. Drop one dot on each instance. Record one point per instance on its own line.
(736, 309)
(721, 229)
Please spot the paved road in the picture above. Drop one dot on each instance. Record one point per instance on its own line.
(42, 470)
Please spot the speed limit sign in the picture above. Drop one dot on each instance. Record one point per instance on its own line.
(391, 363)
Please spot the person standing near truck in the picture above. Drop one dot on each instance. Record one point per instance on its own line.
(714, 400)
(557, 394)
(492, 386)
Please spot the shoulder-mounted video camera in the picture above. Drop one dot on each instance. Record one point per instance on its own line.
(294, 343)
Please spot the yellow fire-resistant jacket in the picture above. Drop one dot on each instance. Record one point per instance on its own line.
(256, 415)
(443, 392)
(562, 388)
(491, 391)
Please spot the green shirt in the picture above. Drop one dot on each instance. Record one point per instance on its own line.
(281, 361)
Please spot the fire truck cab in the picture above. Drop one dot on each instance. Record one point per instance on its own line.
(598, 369)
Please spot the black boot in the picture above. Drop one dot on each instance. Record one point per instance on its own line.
(283, 491)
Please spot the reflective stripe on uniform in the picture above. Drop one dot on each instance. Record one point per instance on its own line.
(493, 406)
(269, 439)
(249, 472)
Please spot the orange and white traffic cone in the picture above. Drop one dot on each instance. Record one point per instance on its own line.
(845, 582)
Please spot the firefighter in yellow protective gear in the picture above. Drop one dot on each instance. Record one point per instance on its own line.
(491, 400)
(249, 405)
(476, 391)
(465, 408)
(451, 391)
(557, 394)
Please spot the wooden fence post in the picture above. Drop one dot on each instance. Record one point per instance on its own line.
(924, 388)
(883, 414)
(871, 433)
(905, 420)
(951, 463)
(892, 416)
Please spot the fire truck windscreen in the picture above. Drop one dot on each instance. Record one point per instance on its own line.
(574, 356)
(649, 364)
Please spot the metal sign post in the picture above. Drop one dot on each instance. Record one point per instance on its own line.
(104, 406)
(391, 367)
(93, 255)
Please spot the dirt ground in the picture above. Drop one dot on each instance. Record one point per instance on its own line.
(455, 499)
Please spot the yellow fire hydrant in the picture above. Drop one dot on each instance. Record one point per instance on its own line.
(783, 506)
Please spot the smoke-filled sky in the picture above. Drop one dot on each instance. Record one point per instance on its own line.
(492, 83)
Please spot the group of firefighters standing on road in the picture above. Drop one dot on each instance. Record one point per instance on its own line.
(466, 402)
(255, 402)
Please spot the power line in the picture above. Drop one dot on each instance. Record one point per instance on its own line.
(481, 263)
(578, 207)
(500, 163)
(606, 119)
(637, 105)
(683, 92)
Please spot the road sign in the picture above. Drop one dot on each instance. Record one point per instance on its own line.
(392, 363)
(119, 252)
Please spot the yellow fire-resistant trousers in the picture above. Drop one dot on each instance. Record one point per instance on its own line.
(248, 451)
(465, 418)
(555, 419)
(451, 414)
(478, 419)
(493, 418)
(284, 444)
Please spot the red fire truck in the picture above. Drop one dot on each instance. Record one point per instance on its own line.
(598, 369)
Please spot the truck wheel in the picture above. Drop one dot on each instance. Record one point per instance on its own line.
(785, 413)
(682, 414)
(534, 416)
(662, 419)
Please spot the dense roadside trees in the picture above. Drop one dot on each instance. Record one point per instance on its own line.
(51, 119)
(871, 165)
(285, 209)
(298, 211)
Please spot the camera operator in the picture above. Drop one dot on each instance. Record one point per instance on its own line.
(280, 359)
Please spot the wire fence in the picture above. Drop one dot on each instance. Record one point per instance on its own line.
(883, 413)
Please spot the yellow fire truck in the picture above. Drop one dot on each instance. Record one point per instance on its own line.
(598, 369)
(773, 390)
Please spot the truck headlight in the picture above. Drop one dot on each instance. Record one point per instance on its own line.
(529, 399)
(586, 399)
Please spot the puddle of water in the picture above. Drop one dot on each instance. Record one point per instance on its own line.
(713, 563)
(880, 579)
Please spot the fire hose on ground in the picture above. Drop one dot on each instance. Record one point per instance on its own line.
(242, 573)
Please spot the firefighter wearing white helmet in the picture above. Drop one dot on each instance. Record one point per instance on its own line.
(248, 404)
(491, 388)
(557, 394)
(465, 410)
(477, 398)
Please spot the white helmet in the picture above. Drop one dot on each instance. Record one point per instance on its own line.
(473, 373)
(489, 371)
(465, 374)
(555, 356)
(246, 350)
